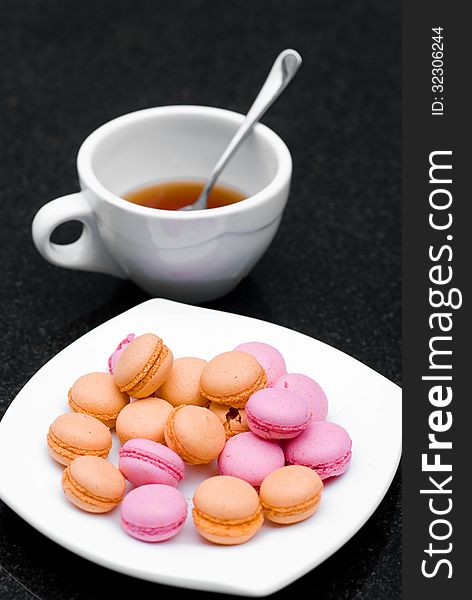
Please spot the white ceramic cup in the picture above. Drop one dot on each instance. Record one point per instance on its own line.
(191, 256)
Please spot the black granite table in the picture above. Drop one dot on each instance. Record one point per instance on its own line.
(333, 271)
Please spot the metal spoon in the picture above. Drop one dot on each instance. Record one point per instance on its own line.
(283, 70)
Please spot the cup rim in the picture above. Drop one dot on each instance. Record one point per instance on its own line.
(87, 175)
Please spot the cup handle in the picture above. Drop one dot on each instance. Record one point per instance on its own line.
(88, 253)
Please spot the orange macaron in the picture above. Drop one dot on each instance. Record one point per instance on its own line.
(76, 434)
(291, 494)
(234, 419)
(231, 378)
(195, 433)
(93, 484)
(226, 510)
(183, 384)
(145, 419)
(96, 394)
(143, 366)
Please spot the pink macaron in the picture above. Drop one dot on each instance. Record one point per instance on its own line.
(324, 447)
(268, 357)
(118, 351)
(144, 461)
(307, 388)
(250, 457)
(153, 513)
(277, 413)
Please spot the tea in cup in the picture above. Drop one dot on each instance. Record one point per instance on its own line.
(191, 256)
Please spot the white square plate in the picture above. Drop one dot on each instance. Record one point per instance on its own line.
(364, 402)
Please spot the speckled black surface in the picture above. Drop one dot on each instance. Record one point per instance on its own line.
(333, 271)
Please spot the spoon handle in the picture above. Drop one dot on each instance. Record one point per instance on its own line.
(284, 68)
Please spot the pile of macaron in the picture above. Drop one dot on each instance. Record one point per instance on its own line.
(266, 430)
